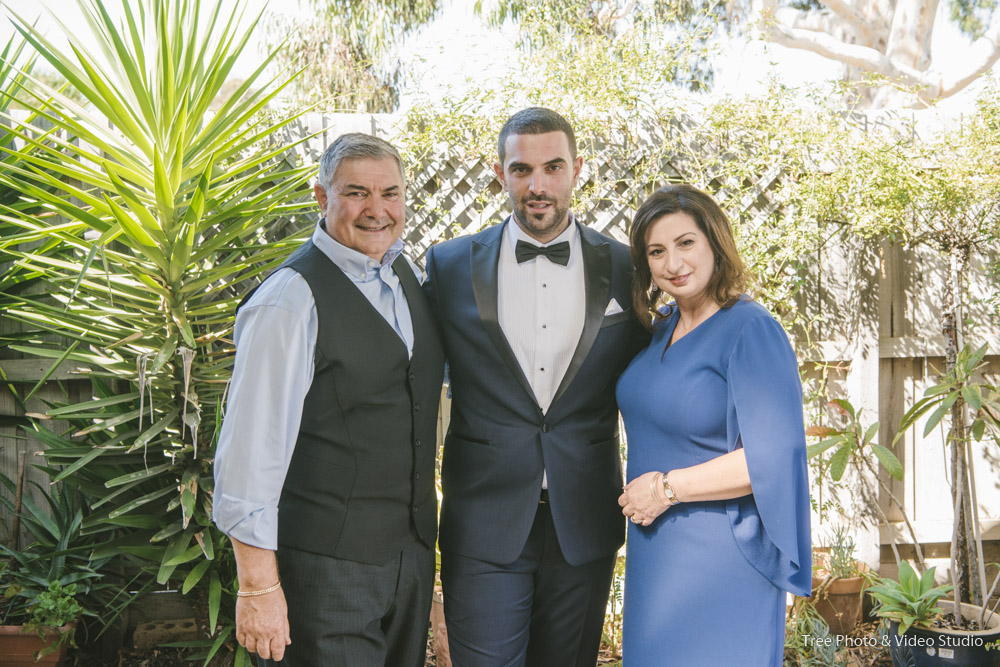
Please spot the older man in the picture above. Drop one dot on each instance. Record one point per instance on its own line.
(325, 465)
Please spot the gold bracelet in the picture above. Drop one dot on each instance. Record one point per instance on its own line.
(263, 591)
(653, 483)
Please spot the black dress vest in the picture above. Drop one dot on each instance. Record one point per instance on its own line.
(360, 485)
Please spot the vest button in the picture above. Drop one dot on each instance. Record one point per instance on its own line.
(415, 508)
(418, 475)
(545, 428)
(417, 442)
(416, 407)
(412, 377)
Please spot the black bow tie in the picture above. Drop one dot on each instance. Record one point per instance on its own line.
(558, 252)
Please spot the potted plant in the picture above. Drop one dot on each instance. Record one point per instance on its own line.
(920, 632)
(838, 582)
(971, 409)
(49, 623)
(51, 584)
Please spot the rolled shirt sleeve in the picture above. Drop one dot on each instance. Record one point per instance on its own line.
(275, 336)
(764, 417)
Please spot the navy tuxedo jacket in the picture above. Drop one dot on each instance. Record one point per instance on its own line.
(499, 441)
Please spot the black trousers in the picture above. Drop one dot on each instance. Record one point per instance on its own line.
(346, 614)
(538, 611)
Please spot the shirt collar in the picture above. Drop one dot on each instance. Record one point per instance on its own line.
(515, 233)
(349, 260)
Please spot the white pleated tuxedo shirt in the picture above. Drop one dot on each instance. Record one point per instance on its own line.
(541, 309)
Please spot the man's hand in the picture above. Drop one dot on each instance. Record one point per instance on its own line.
(262, 624)
(261, 620)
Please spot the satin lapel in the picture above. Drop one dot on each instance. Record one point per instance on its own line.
(485, 258)
(597, 283)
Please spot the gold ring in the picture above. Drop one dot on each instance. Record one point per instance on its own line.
(638, 522)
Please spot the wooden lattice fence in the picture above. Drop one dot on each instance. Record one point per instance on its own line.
(449, 196)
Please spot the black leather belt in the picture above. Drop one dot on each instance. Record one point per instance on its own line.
(544, 498)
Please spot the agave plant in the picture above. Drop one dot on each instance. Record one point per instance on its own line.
(166, 209)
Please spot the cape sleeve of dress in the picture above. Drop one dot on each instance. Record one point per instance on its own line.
(764, 416)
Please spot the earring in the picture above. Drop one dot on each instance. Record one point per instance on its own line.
(653, 287)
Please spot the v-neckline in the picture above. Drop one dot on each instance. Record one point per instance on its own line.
(670, 333)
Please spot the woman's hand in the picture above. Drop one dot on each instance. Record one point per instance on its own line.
(638, 502)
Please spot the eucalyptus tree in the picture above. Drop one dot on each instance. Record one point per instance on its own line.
(886, 46)
(346, 48)
(166, 209)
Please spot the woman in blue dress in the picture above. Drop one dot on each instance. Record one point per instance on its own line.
(718, 493)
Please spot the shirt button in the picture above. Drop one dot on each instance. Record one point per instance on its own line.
(543, 370)
(545, 326)
(544, 285)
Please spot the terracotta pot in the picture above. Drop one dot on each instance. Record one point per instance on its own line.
(923, 647)
(840, 603)
(18, 646)
(440, 642)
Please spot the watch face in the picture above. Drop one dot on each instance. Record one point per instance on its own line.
(669, 491)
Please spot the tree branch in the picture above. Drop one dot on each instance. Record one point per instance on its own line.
(811, 31)
(983, 54)
(863, 57)
(819, 20)
(864, 24)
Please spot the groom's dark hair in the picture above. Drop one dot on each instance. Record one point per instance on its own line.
(535, 120)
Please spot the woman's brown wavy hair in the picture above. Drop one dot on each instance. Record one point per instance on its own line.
(728, 281)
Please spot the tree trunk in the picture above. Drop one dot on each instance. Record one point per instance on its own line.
(963, 558)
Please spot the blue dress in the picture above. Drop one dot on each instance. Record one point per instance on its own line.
(705, 583)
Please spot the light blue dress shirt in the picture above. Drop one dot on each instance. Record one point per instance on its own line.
(275, 334)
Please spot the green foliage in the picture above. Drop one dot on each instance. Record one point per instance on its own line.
(156, 231)
(344, 50)
(567, 32)
(819, 650)
(841, 562)
(611, 635)
(51, 610)
(972, 16)
(59, 577)
(62, 551)
(910, 601)
(959, 383)
(851, 444)
(54, 607)
(886, 182)
(15, 67)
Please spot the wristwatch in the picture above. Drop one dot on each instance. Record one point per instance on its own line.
(668, 491)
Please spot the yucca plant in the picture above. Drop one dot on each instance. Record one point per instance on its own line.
(14, 68)
(166, 207)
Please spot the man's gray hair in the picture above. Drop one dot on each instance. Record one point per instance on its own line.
(355, 146)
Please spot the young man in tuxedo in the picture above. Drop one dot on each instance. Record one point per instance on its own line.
(536, 318)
